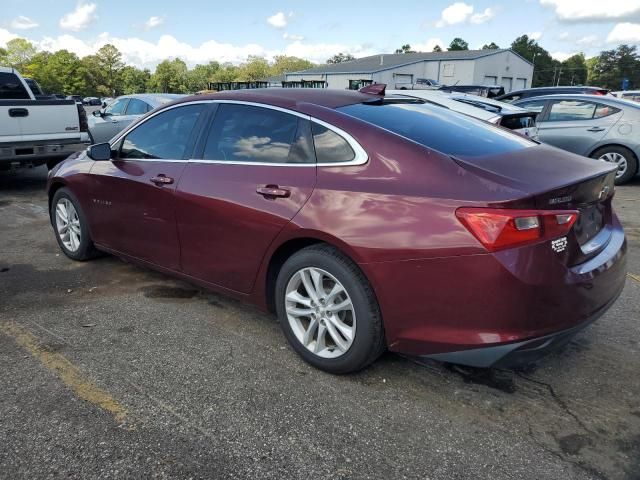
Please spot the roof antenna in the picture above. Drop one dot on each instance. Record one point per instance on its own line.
(374, 89)
(381, 59)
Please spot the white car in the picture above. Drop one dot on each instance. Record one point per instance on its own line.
(628, 95)
(499, 113)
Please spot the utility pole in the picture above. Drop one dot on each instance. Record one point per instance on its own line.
(559, 74)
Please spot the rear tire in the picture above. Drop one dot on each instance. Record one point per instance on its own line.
(342, 340)
(626, 160)
(70, 226)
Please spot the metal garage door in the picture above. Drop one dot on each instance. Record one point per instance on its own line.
(521, 83)
(490, 80)
(507, 84)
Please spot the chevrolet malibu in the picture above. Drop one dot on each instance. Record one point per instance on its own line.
(366, 222)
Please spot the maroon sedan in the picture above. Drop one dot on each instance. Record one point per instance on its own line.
(366, 222)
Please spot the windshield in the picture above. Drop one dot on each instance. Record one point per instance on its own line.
(448, 132)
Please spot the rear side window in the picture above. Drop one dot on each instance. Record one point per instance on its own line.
(11, 88)
(448, 132)
(330, 147)
(244, 133)
(137, 107)
(164, 136)
(604, 111)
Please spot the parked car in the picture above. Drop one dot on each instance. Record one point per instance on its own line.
(507, 116)
(91, 101)
(489, 91)
(108, 121)
(36, 131)
(419, 84)
(364, 222)
(536, 92)
(602, 127)
(633, 95)
(75, 98)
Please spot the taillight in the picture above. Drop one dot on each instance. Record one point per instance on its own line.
(498, 229)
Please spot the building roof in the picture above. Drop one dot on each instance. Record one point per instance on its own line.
(377, 63)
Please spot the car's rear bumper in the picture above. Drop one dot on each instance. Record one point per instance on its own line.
(517, 354)
(507, 303)
(40, 152)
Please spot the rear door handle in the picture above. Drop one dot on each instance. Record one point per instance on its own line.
(161, 180)
(595, 129)
(18, 112)
(273, 191)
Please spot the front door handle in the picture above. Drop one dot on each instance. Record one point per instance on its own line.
(161, 180)
(273, 191)
(18, 112)
(595, 129)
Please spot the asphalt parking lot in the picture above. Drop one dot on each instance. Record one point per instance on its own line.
(113, 371)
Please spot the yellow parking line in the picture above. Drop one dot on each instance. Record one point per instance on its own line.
(65, 370)
(634, 277)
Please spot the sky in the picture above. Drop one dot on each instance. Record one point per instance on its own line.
(198, 31)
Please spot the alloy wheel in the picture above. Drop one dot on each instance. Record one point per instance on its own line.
(68, 224)
(618, 159)
(320, 312)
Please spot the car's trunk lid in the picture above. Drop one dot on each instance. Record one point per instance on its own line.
(552, 179)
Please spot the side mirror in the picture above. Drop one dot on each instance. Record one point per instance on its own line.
(97, 113)
(100, 152)
(104, 104)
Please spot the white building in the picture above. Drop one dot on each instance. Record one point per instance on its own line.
(464, 67)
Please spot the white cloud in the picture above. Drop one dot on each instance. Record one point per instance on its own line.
(562, 56)
(593, 10)
(23, 23)
(563, 36)
(455, 13)
(589, 41)
(478, 18)
(291, 37)
(6, 36)
(534, 35)
(279, 20)
(625, 33)
(153, 22)
(83, 16)
(429, 45)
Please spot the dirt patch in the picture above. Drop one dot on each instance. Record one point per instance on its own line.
(572, 444)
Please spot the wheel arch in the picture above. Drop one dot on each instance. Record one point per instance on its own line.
(285, 249)
(54, 186)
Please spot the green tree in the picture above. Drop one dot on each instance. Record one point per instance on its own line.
(199, 77)
(458, 44)
(612, 66)
(109, 61)
(255, 68)
(491, 46)
(340, 58)
(134, 80)
(545, 67)
(169, 77)
(61, 72)
(284, 64)
(227, 73)
(405, 49)
(437, 48)
(18, 53)
(573, 70)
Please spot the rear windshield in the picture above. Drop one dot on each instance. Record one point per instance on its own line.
(440, 129)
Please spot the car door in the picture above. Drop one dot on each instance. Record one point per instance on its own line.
(133, 195)
(106, 126)
(254, 172)
(576, 125)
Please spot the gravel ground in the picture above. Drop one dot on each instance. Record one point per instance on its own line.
(113, 371)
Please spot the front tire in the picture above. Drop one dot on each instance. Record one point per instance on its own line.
(328, 310)
(70, 226)
(621, 156)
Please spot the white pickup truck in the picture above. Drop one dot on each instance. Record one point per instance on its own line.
(37, 131)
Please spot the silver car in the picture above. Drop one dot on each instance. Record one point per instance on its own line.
(106, 122)
(602, 127)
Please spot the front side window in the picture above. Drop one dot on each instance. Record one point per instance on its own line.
(117, 107)
(330, 147)
(11, 88)
(164, 136)
(571, 110)
(137, 107)
(244, 133)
